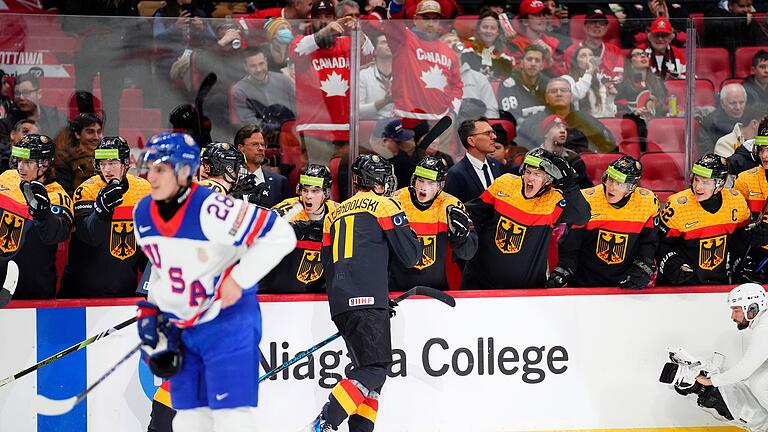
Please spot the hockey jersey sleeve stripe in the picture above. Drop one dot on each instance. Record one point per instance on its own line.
(386, 223)
(427, 228)
(123, 212)
(256, 223)
(14, 206)
(268, 225)
(756, 206)
(712, 231)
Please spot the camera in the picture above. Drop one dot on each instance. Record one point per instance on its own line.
(681, 372)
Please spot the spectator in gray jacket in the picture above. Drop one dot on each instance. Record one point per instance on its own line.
(261, 89)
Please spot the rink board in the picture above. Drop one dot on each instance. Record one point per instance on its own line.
(500, 361)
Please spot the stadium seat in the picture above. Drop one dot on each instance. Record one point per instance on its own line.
(666, 135)
(290, 144)
(731, 81)
(145, 118)
(742, 60)
(365, 130)
(597, 163)
(663, 171)
(713, 64)
(132, 98)
(625, 133)
(465, 25)
(703, 88)
(577, 29)
(508, 126)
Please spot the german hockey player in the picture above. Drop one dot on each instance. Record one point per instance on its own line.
(36, 217)
(301, 271)
(515, 217)
(700, 226)
(441, 223)
(104, 260)
(223, 169)
(617, 246)
(357, 240)
(208, 252)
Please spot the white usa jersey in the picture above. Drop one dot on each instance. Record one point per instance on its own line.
(210, 237)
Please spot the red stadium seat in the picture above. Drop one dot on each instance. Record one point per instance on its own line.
(577, 29)
(145, 118)
(625, 132)
(731, 81)
(597, 163)
(713, 64)
(698, 22)
(364, 131)
(666, 135)
(132, 98)
(704, 92)
(663, 171)
(742, 60)
(508, 126)
(465, 25)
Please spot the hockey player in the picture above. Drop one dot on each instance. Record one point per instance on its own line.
(618, 244)
(515, 217)
(441, 223)
(301, 271)
(103, 258)
(223, 169)
(207, 253)
(357, 240)
(36, 217)
(700, 227)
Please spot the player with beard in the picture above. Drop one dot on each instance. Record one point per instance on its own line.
(301, 271)
(441, 223)
(515, 217)
(617, 246)
(701, 226)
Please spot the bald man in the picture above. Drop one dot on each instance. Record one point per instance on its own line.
(733, 101)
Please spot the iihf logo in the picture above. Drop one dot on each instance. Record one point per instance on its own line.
(360, 301)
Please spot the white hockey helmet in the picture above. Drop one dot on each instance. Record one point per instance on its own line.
(750, 297)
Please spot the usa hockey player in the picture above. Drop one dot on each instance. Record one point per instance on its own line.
(208, 252)
(357, 240)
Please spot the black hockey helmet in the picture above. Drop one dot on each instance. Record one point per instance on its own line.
(711, 166)
(431, 168)
(369, 170)
(34, 147)
(535, 158)
(625, 169)
(761, 139)
(224, 160)
(315, 175)
(112, 148)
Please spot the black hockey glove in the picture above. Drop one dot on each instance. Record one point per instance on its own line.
(109, 198)
(245, 186)
(675, 269)
(392, 306)
(37, 199)
(745, 270)
(568, 175)
(459, 222)
(260, 195)
(559, 277)
(639, 274)
(758, 233)
(308, 230)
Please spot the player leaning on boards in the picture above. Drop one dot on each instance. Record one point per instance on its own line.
(357, 240)
(208, 252)
(700, 227)
(36, 217)
(618, 244)
(103, 258)
(301, 271)
(441, 223)
(514, 219)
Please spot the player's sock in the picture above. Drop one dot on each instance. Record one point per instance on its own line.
(364, 418)
(344, 400)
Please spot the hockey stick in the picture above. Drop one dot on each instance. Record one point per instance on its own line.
(441, 126)
(56, 407)
(9, 285)
(419, 290)
(69, 350)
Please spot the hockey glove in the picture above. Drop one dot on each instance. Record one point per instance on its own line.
(745, 270)
(165, 358)
(758, 234)
(308, 230)
(639, 274)
(109, 198)
(37, 199)
(568, 175)
(675, 269)
(459, 222)
(392, 306)
(147, 323)
(245, 186)
(260, 195)
(559, 277)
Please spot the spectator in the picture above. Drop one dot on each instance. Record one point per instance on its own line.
(487, 52)
(640, 13)
(733, 100)
(555, 131)
(20, 129)
(756, 85)
(609, 55)
(27, 95)
(558, 24)
(437, 89)
(743, 133)
(533, 18)
(667, 61)
(473, 174)
(593, 92)
(476, 85)
(6, 94)
(75, 150)
(393, 143)
(293, 10)
(585, 133)
(737, 20)
(513, 153)
(279, 36)
(746, 155)
(260, 89)
(250, 141)
(450, 9)
(522, 94)
(187, 18)
(376, 83)
(638, 79)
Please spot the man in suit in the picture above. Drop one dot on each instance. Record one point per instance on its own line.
(250, 141)
(476, 171)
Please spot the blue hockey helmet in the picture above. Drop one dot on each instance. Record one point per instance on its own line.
(174, 149)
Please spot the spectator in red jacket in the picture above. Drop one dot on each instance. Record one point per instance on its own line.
(533, 24)
(595, 29)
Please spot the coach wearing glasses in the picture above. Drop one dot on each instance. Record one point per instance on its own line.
(585, 133)
(476, 171)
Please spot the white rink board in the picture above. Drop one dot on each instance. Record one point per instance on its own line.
(615, 347)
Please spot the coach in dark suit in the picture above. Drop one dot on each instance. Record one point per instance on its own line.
(250, 141)
(476, 171)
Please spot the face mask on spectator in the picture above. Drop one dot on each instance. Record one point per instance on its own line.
(284, 36)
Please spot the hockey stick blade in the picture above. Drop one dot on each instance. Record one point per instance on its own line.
(9, 285)
(441, 126)
(426, 291)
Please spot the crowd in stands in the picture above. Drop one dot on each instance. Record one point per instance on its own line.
(587, 81)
